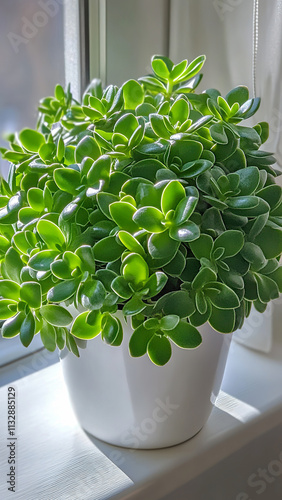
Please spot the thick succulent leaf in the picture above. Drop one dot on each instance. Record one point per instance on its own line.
(135, 269)
(222, 320)
(159, 350)
(30, 292)
(173, 193)
(178, 303)
(231, 241)
(56, 315)
(108, 249)
(81, 329)
(149, 218)
(188, 231)
(62, 291)
(162, 246)
(139, 341)
(185, 335)
(222, 296)
(48, 336)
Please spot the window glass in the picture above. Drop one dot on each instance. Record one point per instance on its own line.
(32, 62)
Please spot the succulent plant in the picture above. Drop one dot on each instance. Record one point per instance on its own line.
(148, 198)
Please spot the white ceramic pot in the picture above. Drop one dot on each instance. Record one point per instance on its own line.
(133, 403)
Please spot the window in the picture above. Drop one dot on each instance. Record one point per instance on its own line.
(32, 62)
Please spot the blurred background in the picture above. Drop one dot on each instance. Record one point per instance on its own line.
(31, 61)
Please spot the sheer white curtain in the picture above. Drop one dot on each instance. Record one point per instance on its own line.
(223, 30)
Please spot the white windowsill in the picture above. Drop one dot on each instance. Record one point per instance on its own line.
(57, 460)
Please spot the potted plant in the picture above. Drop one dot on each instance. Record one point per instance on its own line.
(145, 214)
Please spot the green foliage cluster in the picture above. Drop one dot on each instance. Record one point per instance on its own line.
(148, 198)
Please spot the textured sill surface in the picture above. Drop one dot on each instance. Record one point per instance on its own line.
(56, 460)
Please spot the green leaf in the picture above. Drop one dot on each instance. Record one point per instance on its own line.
(93, 294)
(35, 199)
(159, 126)
(221, 295)
(159, 350)
(204, 276)
(271, 194)
(149, 218)
(189, 231)
(50, 233)
(48, 337)
(202, 247)
(185, 335)
(56, 315)
(252, 253)
(8, 308)
(110, 329)
(71, 344)
(62, 291)
(60, 335)
(131, 243)
(81, 329)
(108, 249)
(155, 284)
(67, 179)
(249, 180)
(27, 329)
(243, 202)
(267, 288)
(224, 151)
(169, 322)
(179, 111)
(239, 94)
(99, 170)
(12, 326)
(134, 306)
(172, 194)
(178, 303)
(87, 147)
(133, 94)
(42, 261)
(232, 241)
(270, 242)
(120, 286)
(194, 168)
(222, 321)
(4, 244)
(31, 139)
(218, 134)
(9, 289)
(161, 246)
(135, 269)
(176, 266)
(86, 255)
(123, 215)
(30, 293)
(277, 277)
(160, 68)
(13, 265)
(61, 269)
(104, 200)
(139, 341)
(186, 206)
(201, 303)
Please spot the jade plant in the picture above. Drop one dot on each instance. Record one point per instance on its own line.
(150, 199)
